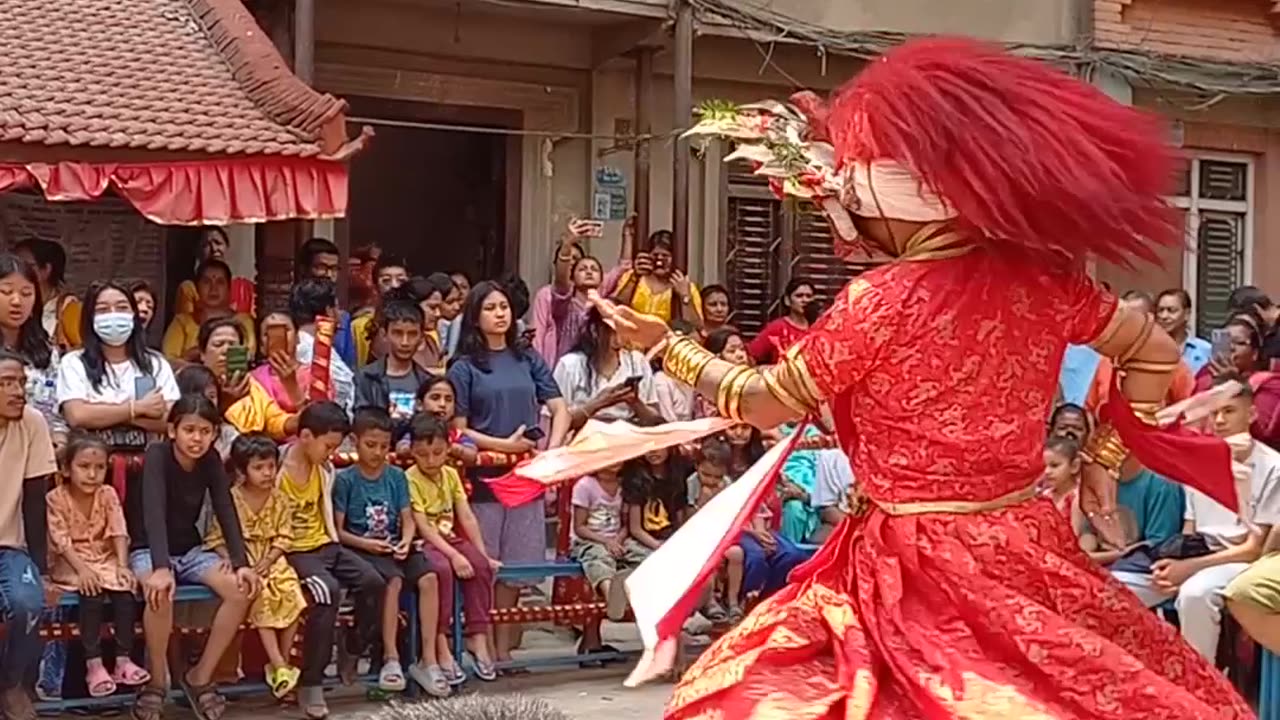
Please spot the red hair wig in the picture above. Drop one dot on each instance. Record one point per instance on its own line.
(1033, 160)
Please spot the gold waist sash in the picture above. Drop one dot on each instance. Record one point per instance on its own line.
(860, 504)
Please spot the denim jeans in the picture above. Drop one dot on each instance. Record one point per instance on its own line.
(21, 602)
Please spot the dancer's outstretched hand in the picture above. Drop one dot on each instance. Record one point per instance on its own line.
(1098, 502)
(636, 329)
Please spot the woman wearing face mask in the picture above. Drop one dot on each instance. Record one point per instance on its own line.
(501, 387)
(22, 333)
(560, 309)
(781, 333)
(656, 287)
(115, 384)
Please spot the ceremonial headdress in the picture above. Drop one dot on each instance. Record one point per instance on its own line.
(1018, 154)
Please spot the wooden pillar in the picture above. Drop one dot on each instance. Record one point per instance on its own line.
(644, 127)
(304, 40)
(680, 120)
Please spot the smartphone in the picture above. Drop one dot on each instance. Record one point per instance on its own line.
(594, 228)
(237, 361)
(277, 340)
(1221, 342)
(633, 382)
(142, 385)
(402, 402)
(534, 434)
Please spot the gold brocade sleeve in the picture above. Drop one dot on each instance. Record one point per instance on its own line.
(792, 384)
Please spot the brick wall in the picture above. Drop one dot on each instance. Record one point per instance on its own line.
(106, 238)
(1238, 30)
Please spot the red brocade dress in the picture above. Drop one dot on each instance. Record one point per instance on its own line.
(940, 374)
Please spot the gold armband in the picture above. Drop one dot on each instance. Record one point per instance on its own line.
(1104, 448)
(729, 392)
(684, 359)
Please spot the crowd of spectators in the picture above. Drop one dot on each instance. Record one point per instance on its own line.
(234, 428)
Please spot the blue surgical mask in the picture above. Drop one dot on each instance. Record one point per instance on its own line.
(113, 328)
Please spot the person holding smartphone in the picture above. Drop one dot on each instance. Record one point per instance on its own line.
(115, 384)
(242, 399)
(560, 309)
(601, 379)
(1238, 350)
(502, 386)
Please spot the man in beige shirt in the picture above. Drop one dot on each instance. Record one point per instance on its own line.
(26, 464)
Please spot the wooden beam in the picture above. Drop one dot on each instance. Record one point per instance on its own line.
(683, 82)
(644, 126)
(615, 40)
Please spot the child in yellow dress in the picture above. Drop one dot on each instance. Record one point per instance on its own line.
(265, 521)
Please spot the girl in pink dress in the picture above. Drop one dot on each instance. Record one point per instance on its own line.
(89, 554)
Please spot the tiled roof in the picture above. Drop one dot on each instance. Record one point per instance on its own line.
(172, 76)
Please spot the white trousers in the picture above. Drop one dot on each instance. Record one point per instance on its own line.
(1199, 602)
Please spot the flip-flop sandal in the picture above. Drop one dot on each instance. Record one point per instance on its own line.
(128, 673)
(99, 682)
(454, 675)
(486, 672)
(204, 700)
(391, 677)
(149, 705)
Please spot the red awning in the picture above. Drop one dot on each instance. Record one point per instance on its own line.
(210, 192)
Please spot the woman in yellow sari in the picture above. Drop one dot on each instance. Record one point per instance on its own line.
(654, 286)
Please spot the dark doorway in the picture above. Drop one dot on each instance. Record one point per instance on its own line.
(444, 200)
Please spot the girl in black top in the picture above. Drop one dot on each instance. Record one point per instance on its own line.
(166, 548)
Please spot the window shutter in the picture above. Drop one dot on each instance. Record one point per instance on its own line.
(1220, 266)
(755, 230)
(813, 257)
(1223, 180)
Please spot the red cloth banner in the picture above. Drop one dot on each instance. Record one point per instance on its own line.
(216, 192)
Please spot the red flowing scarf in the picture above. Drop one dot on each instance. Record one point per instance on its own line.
(1197, 460)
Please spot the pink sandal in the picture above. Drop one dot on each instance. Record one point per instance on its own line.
(128, 673)
(98, 679)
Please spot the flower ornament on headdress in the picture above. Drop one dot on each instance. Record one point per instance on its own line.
(1014, 153)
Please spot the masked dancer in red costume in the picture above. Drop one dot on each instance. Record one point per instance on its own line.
(956, 591)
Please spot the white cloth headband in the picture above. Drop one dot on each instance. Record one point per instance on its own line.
(887, 189)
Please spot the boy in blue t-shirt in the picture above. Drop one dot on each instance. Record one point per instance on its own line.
(372, 513)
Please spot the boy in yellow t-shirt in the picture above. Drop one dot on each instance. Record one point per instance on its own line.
(325, 566)
(440, 509)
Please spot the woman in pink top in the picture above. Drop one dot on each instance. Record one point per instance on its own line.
(560, 309)
(1244, 358)
(281, 376)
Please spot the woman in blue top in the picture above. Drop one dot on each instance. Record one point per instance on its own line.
(501, 385)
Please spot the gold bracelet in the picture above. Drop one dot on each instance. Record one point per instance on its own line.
(1105, 448)
(725, 387)
(1150, 367)
(684, 360)
(736, 391)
